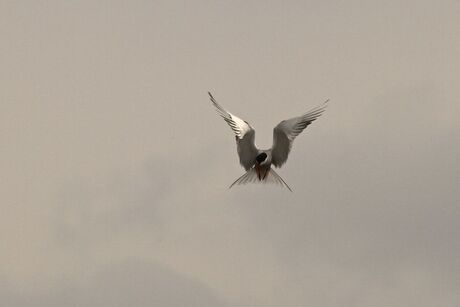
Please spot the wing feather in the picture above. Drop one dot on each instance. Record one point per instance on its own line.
(244, 133)
(287, 130)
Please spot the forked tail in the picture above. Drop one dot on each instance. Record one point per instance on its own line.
(251, 177)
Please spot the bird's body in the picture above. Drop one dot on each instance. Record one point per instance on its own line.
(257, 162)
(263, 163)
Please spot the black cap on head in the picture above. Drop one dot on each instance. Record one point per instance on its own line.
(261, 157)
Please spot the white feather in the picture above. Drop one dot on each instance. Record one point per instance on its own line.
(287, 130)
(245, 135)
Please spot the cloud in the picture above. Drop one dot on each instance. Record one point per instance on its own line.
(117, 166)
(129, 283)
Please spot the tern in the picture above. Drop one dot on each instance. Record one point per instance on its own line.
(258, 162)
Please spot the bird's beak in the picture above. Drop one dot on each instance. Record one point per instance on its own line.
(257, 167)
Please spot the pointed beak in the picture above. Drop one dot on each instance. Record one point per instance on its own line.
(257, 167)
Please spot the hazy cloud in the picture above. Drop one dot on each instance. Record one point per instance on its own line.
(122, 284)
(115, 166)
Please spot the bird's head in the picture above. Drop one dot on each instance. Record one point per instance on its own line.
(261, 158)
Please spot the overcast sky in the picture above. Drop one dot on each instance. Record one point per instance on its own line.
(115, 168)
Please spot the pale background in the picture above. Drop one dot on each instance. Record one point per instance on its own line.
(115, 167)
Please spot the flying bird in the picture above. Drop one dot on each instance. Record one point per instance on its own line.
(258, 162)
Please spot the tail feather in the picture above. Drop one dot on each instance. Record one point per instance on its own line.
(251, 177)
(272, 175)
(248, 177)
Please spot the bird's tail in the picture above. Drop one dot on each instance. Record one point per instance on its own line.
(251, 177)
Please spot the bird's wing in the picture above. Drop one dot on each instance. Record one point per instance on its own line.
(287, 130)
(245, 134)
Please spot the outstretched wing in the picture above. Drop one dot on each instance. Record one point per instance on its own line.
(286, 131)
(244, 134)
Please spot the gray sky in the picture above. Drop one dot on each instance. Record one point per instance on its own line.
(115, 167)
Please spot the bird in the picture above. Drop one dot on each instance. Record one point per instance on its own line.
(258, 162)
